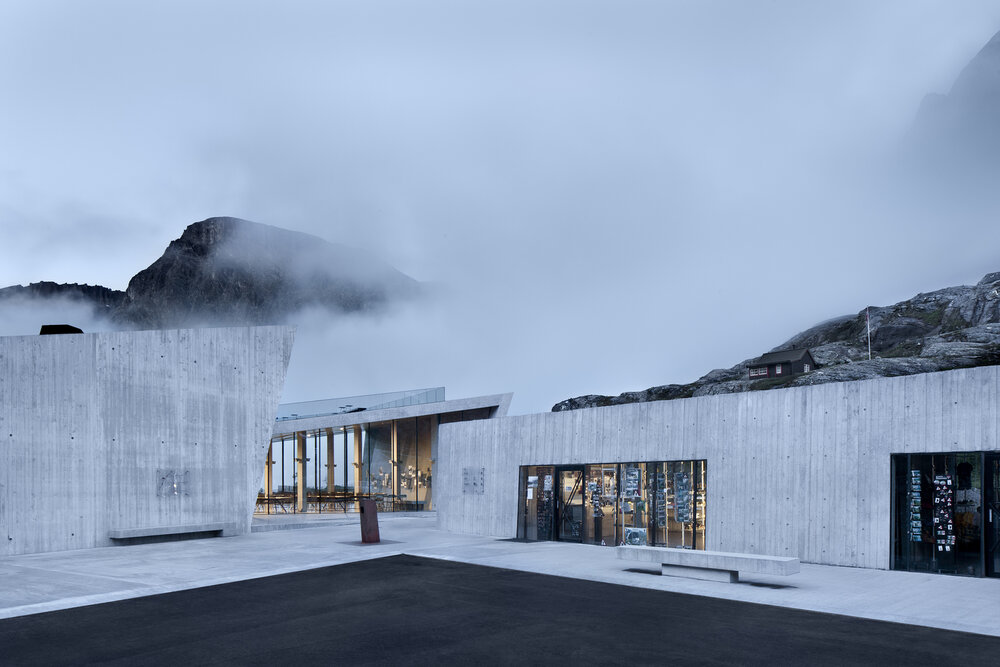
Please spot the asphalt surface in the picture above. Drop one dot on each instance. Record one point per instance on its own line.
(406, 609)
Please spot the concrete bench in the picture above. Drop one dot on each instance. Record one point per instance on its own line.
(711, 565)
(156, 531)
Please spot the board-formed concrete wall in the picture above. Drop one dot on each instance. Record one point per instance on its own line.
(126, 430)
(800, 472)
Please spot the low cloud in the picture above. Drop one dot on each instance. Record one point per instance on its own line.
(24, 316)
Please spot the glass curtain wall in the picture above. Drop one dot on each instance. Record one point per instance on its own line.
(406, 469)
(376, 470)
(343, 461)
(656, 503)
(426, 427)
(679, 498)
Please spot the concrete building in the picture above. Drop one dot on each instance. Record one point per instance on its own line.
(129, 435)
(899, 472)
(115, 437)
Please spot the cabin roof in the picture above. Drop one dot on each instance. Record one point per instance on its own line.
(785, 356)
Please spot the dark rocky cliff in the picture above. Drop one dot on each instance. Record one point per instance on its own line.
(227, 271)
(230, 271)
(102, 300)
(956, 327)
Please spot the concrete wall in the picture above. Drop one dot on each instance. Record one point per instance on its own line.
(799, 472)
(93, 425)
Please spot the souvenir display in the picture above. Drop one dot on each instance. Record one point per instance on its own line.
(916, 523)
(594, 492)
(944, 527)
(682, 497)
(634, 537)
(632, 482)
(661, 500)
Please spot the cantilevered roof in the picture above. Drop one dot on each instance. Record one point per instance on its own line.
(384, 407)
(336, 406)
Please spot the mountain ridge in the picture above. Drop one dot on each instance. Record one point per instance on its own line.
(228, 271)
(954, 327)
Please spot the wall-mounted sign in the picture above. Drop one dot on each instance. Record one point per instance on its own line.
(173, 483)
(473, 480)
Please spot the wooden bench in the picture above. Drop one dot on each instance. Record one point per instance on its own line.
(158, 531)
(710, 565)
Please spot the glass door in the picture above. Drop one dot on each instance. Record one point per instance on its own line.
(600, 504)
(991, 508)
(570, 494)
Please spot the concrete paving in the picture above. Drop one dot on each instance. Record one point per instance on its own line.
(44, 582)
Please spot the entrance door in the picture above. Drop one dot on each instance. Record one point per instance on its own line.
(991, 510)
(569, 519)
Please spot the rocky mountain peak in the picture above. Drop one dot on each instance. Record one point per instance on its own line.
(231, 271)
(227, 271)
(955, 327)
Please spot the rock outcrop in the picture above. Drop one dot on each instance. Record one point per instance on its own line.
(956, 327)
(231, 271)
(227, 271)
(101, 300)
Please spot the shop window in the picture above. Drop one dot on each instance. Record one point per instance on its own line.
(938, 513)
(659, 503)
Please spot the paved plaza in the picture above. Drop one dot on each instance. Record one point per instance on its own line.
(66, 580)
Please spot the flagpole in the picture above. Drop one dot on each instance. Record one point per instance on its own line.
(868, 321)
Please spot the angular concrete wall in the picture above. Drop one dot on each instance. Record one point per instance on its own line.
(125, 430)
(799, 472)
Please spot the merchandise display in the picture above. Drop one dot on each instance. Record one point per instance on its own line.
(658, 503)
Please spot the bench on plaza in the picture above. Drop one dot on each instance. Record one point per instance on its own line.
(711, 565)
(163, 531)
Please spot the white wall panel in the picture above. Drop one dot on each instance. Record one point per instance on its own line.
(803, 471)
(88, 419)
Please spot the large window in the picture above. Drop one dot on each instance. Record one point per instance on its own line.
(376, 470)
(406, 464)
(945, 513)
(657, 503)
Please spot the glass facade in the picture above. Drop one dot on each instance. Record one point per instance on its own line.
(656, 503)
(376, 455)
(390, 461)
(945, 513)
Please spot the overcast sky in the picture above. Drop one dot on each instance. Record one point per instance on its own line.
(612, 195)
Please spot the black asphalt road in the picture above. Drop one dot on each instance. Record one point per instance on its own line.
(405, 610)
